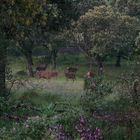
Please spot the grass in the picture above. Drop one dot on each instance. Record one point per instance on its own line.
(43, 93)
(110, 71)
(59, 87)
(67, 90)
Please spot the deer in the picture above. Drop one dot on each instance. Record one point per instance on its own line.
(46, 74)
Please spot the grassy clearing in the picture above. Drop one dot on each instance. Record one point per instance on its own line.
(67, 90)
(66, 95)
(59, 87)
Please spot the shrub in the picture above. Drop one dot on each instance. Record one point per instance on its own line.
(96, 89)
(68, 118)
(34, 128)
(129, 88)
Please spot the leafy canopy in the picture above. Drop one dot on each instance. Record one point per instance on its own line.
(103, 30)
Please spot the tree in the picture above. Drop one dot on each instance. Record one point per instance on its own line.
(68, 11)
(4, 34)
(16, 15)
(130, 7)
(94, 31)
(124, 41)
(53, 41)
(60, 41)
(26, 47)
(3, 45)
(65, 12)
(26, 33)
(85, 5)
(61, 13)
(102, 31)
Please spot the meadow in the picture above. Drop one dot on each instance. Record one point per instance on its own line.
(60, 102)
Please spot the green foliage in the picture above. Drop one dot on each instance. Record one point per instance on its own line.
(66, 12)
(20, 109)
(14, 17)
(96, 89)
(138, 43)
(103, 31)
(33, 128)
(85, 5)
(68, 116)
(130, 7)
(130, 84)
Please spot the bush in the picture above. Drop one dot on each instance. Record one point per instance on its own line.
(129, 88)
(68, 116)
(96, 89)
(34, 128)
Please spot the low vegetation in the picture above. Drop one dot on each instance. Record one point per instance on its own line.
(69, 70)
(88, 108)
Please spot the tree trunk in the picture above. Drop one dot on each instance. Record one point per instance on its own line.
(54, 63)
(29, 64)
(100, 65)
(100, 71)
(54, 56)
(118, 60)
(2, 67)
(91, 64)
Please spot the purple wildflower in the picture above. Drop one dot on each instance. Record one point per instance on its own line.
(85, 132)
(59, 132)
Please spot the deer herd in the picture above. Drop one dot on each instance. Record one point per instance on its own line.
(69, 72)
